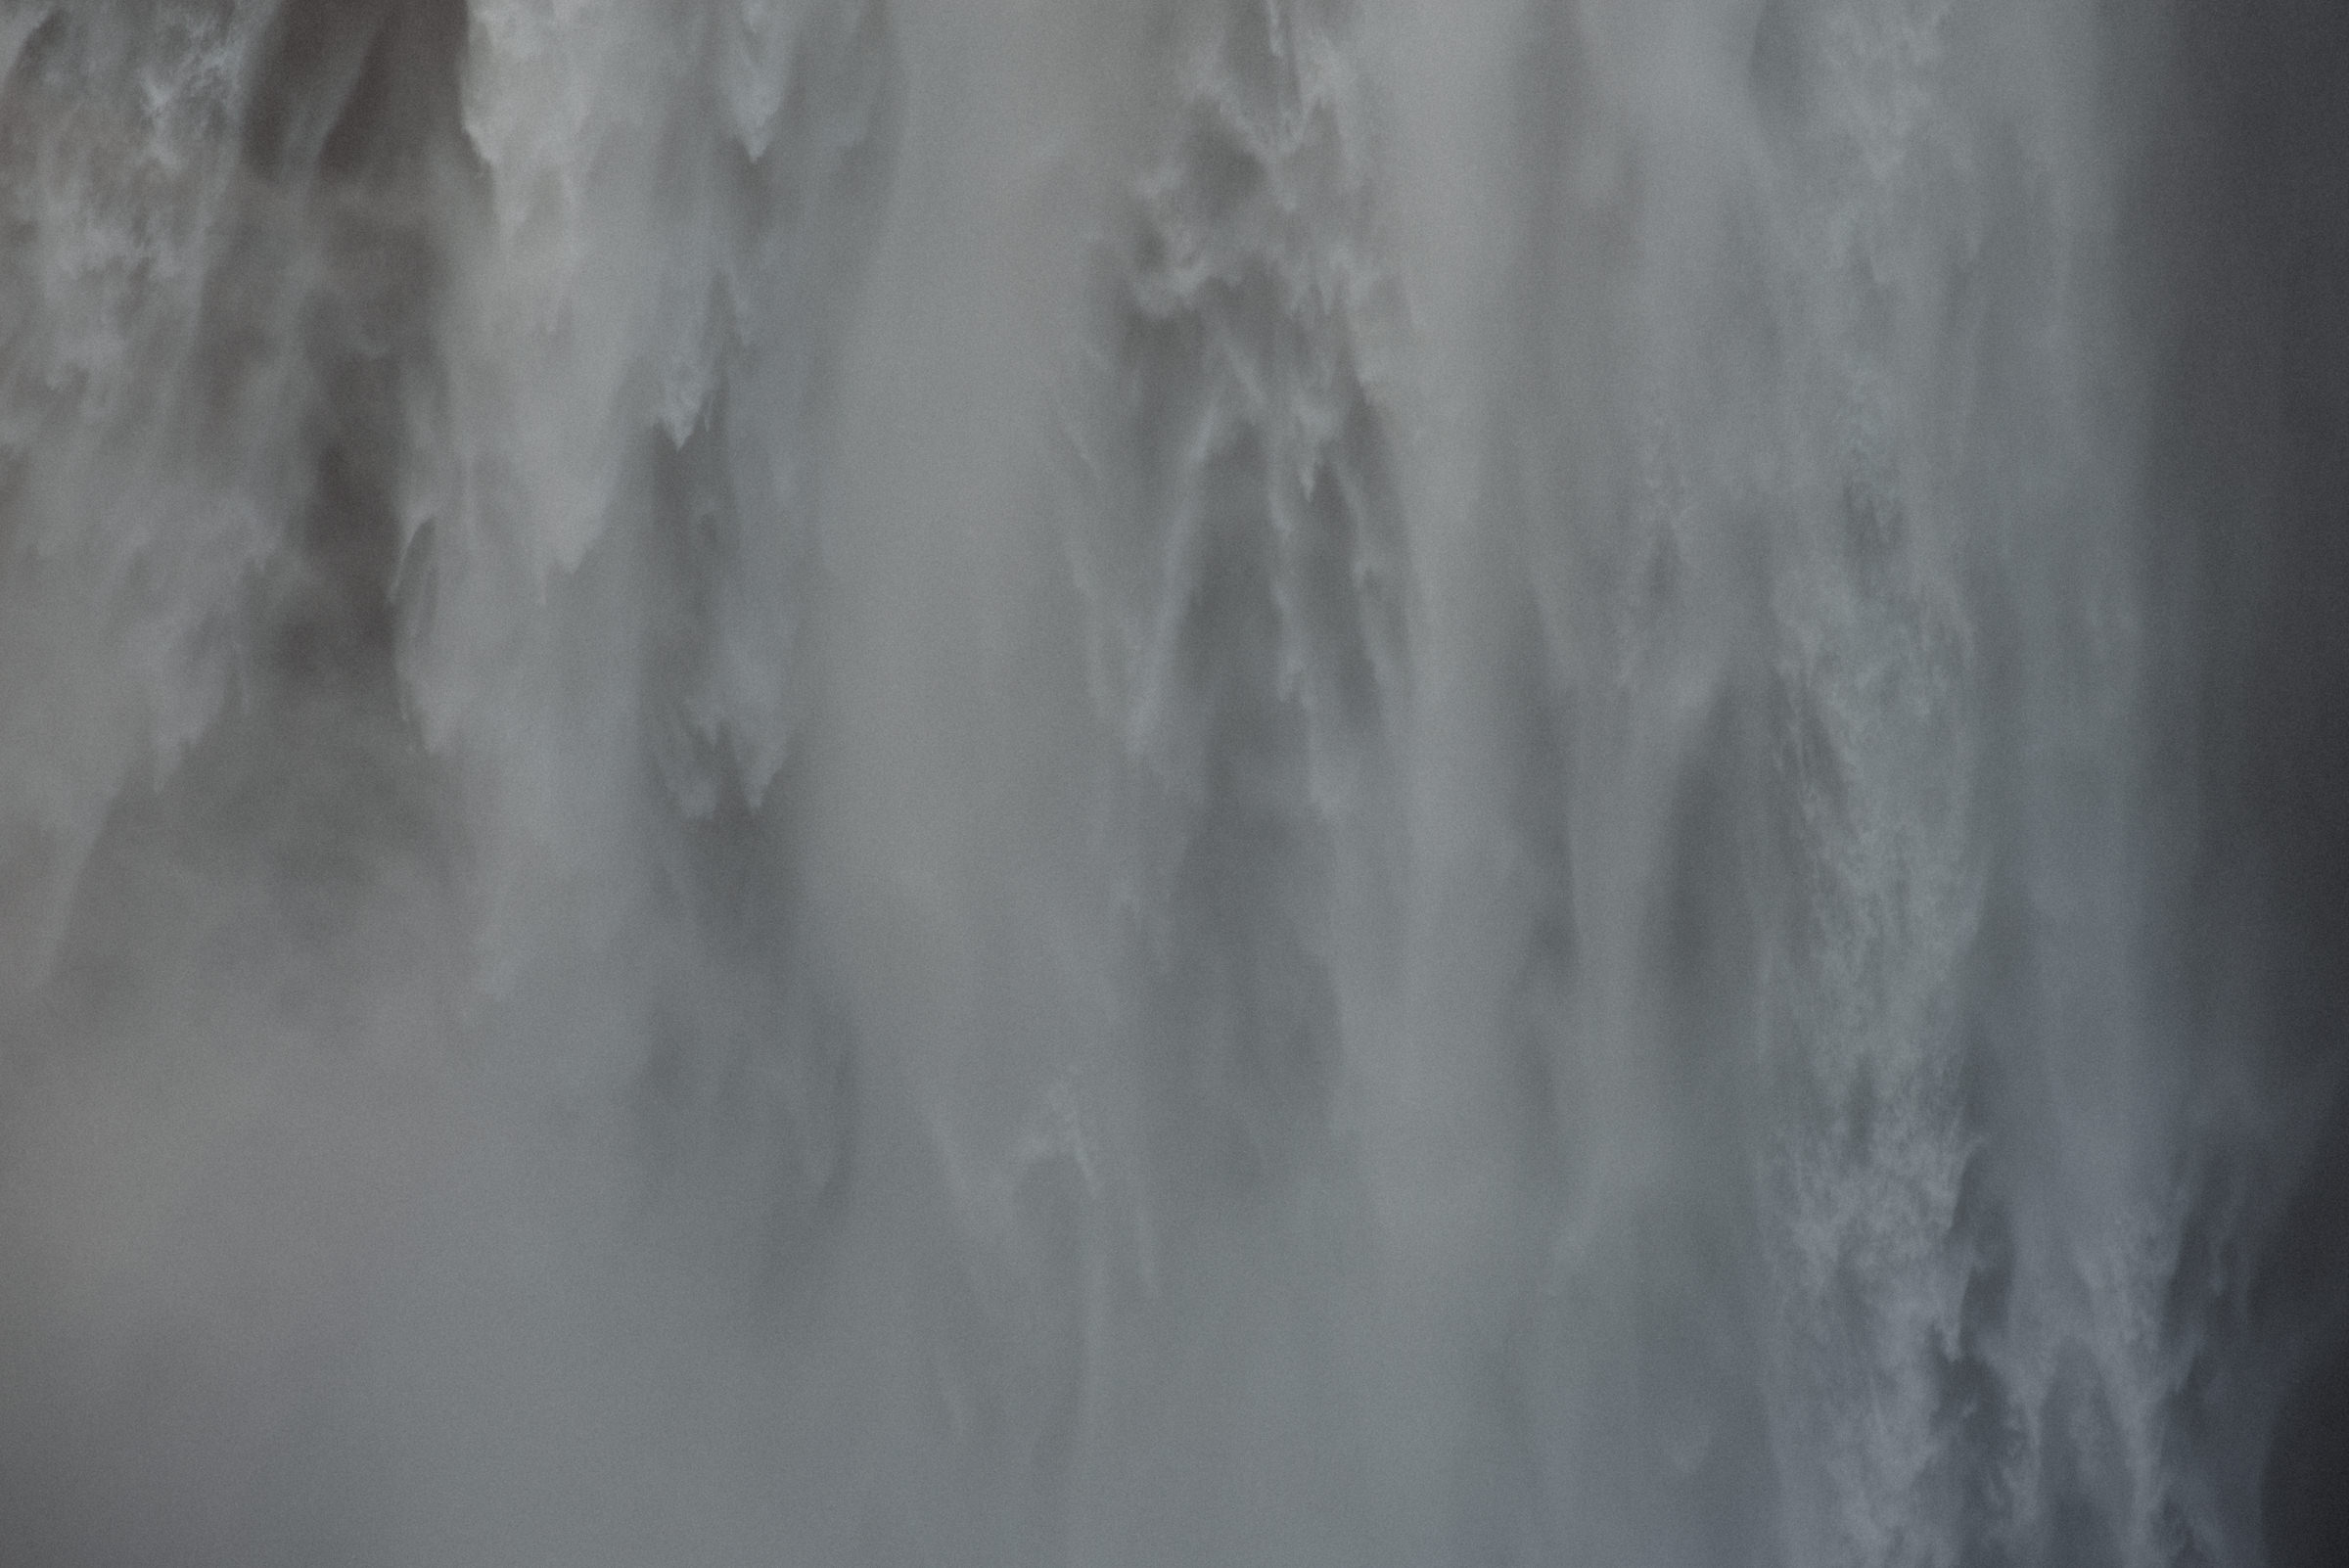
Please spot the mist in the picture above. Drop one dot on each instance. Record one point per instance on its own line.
(1174, 781)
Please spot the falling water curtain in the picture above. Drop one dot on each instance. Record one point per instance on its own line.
(1129, 781)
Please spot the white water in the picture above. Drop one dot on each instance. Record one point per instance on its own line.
(1032, 780)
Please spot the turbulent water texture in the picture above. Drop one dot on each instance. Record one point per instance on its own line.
(1174, 781)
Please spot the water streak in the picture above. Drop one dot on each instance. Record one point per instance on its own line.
(1256, 780)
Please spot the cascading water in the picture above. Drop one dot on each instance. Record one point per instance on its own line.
(1290, 781)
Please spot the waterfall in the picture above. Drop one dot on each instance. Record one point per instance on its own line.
(1186, 782)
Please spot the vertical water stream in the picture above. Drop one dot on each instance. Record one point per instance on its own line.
(1183, 781)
